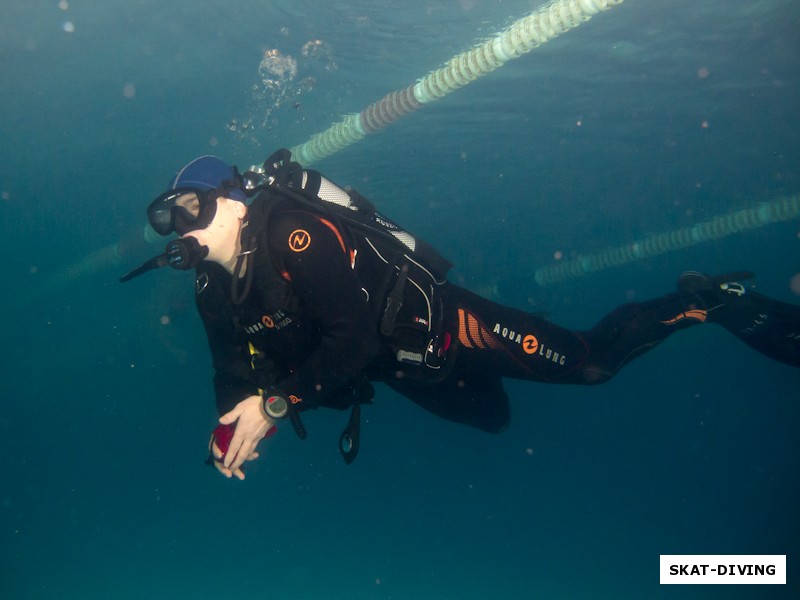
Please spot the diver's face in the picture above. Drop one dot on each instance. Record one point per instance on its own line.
(221, 236)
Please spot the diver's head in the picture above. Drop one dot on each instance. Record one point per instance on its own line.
(204, 201)
(190, 202)
(205, 205)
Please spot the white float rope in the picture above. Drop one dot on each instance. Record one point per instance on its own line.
(542, 25)
(783, 209)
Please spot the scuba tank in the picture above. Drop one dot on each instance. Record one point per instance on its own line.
(318, 193)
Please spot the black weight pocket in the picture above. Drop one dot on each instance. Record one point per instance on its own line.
(412, 317)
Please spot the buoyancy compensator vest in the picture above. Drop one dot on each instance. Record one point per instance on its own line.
(406, 273)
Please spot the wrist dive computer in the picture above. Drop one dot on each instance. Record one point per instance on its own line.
(275, 407)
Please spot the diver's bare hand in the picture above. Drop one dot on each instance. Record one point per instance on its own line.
(217, 456)
(252, 425)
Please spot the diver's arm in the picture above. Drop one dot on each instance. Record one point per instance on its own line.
(323, 280)
(233, 375)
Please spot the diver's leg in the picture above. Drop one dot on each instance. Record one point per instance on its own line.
(468, 395)
(520, 345)
(767, 325)
(523, 346)
(632, 329)
(511, 342)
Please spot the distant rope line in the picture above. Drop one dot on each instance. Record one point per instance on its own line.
(542, 25)
(766, 213)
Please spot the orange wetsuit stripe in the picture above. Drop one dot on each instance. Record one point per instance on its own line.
(697, 315)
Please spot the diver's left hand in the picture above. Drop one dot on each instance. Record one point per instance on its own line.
(217, 454)
(252, 425)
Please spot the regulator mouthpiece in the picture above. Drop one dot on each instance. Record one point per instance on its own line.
(181, 254)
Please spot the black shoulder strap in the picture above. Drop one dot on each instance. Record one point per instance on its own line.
(273, 289)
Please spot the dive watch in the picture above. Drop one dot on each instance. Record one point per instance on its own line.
(275, 407)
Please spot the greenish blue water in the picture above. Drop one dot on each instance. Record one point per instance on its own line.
(651, 117)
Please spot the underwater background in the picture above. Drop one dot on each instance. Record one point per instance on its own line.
(652, 117)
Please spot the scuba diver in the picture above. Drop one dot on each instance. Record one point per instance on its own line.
(309, 295)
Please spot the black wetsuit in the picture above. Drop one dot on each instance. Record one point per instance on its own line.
(309, 329)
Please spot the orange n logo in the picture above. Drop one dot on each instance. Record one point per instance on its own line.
(299, 240)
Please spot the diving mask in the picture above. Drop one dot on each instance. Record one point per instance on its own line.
(183, 210)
